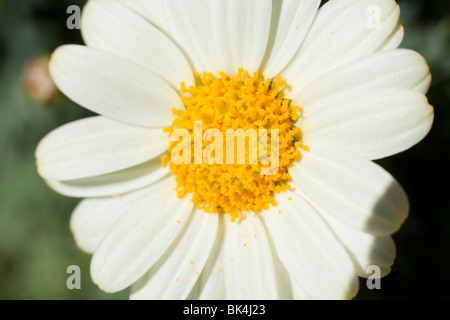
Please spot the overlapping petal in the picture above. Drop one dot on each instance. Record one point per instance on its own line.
(221, 35)
(175, 274)
(111, 26)
(112, 184)
(375, 125)
(343, 31)
(310, 252)
(290, 23)
(242, 266)
(351, 189)
(113, 86)
(141, 237)
(96, 146)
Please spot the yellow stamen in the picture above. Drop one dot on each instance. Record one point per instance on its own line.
(235, 102)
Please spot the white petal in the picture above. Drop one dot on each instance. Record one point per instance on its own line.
(190, 29)
(310, 252)
(112, 86)
(248, 264)
(153, 11)
(211, 285)
(93, 218)
(96, 146)
(373, 125)
(364, 248)
(342, 32)
(288, 288)
(352, 189)
(241, 265)
(221, 35)
(291, 20)
(395, 69)
(115, 183)
(139, 239)
(241, 30)
(174, 275)
(395, 39)
(297, 292)
(111, 26)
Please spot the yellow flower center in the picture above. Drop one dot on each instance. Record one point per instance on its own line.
(242, 108)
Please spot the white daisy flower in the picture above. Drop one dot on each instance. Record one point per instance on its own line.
(331, 80)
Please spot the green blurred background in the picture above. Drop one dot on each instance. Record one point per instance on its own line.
(36, 245)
